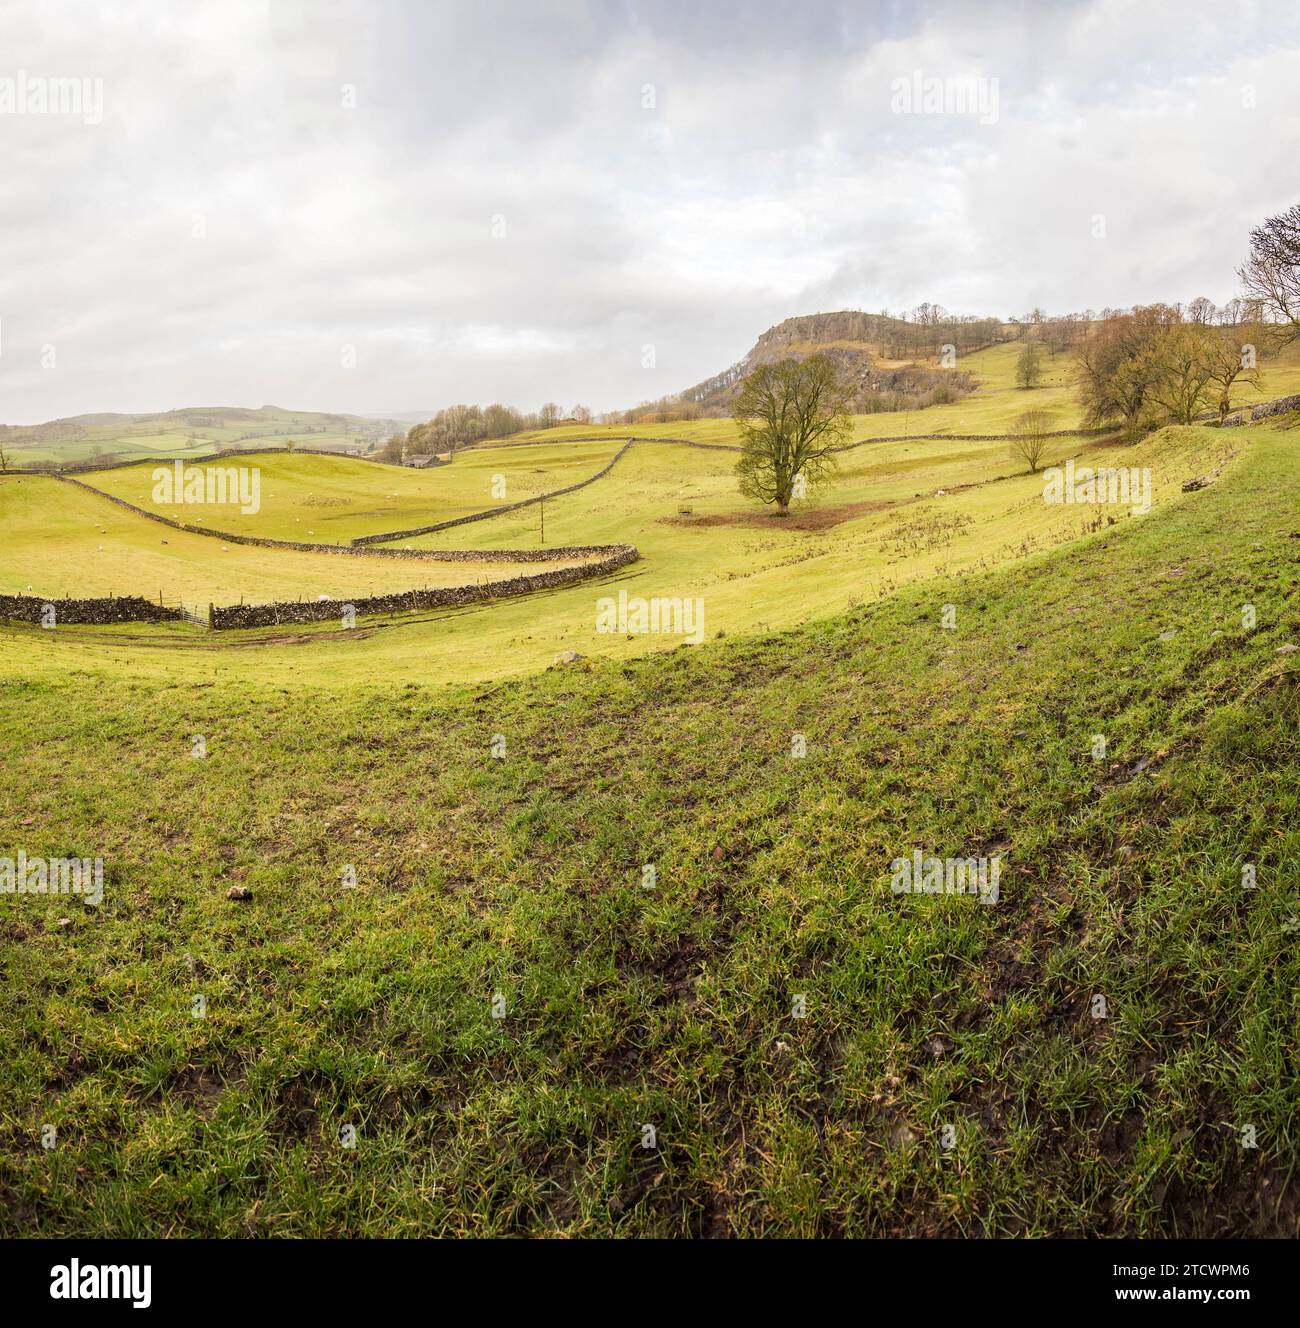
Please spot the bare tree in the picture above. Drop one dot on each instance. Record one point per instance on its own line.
(1029, 437)
(500, 421)
(1119, 365)
(1230, 360)
(792, 415)
(1201, 310)
(1182, 370)
(394, 448)
(1271, 274)
(549, 414)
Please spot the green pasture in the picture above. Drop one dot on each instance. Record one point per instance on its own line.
(61, 541)
(896, 514)
(456, 999)
(331, 500)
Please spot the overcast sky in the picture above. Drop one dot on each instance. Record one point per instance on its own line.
(478, 201)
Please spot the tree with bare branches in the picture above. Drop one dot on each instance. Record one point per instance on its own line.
(1181, 370)
(1119, 367)
(1230, 361)
(1029, 437)
(1271, 274)
(1201, 310)
(792, 415)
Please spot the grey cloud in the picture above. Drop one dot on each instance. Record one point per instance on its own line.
(770, 177)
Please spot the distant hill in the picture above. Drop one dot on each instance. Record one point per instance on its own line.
(888, 364)
(876, 353)
(191, 431)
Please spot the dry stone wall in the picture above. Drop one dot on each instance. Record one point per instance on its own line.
(355, 549)
(127, 608)
(495, 511)
(1261, 412)
(269, 615)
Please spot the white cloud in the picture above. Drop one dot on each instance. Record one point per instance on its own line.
(232, 224)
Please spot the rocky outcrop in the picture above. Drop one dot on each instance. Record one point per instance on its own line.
(857, 342)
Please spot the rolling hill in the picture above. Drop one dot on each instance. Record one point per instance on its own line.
(874, 352)
(194, 431)
(499, 1005)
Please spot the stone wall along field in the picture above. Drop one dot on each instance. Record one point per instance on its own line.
(383, 538)
(305, 611)
(116, 609)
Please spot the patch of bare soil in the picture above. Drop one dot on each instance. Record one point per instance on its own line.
(200, 1087)
(820, 518)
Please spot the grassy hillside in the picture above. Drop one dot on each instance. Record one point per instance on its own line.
(898, 513)
(674, 1006)
(334, 499)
